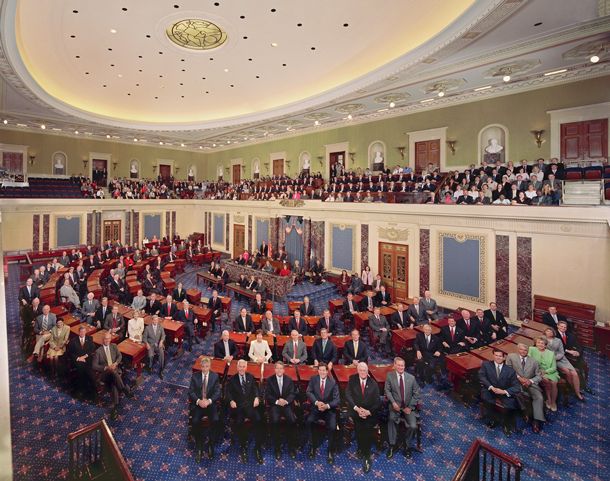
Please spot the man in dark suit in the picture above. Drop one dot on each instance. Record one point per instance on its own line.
(417, 313)
(258, 305)
(496, 321)
(471, 329)
(280, 394)
(297, 323)
(115, 323)
(153, 306)
(368, 302)
(307, 308)
(380, 330)
(382, 298)
(119, 290)
(323, 394)
(187, 316)
(363, 401)
(106, 361)
(215, 305)
(243, 322)
(101, 313)
(324, 351)
(452, 338)
(28, 292)
(80, 351)
(429, 354)
(500, 386)
(154, 340)
(355, 349)
(225, 348)
(243, 398)
(400, 319)
(349, 307)
(552, 318)
(169, 309)
(204, 393)
(327, 322)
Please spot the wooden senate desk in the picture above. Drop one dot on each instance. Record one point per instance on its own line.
(435, 329)
(342, 374)
(88, 332)
(134, 353)
(379, 372)
(463, 368)
(208, 278)
(536, 326)
(485, 353)
(402, 339)
(528, 332)
(219, 366)
(275, 285)
(239, 290)
(70, 320)
(505, 346)
(253, 368)
(517, 338)
(335, 306)
(602, 339)
(289, 370)
(305, 373)
(98, 337)
(339, 342)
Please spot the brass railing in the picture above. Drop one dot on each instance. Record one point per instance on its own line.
(486, 463)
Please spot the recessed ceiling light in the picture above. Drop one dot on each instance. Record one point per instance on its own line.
(176, 6)
(299, 24)
(482, 88)
(43, 126)
(555, 72)
(124, 9)
(594, 59)
(107, 136)
(72, 36)
(135, 140)
(506, 78)
(228, 141)
(245, 38)
(213, 145)
(147, 36)
(427, 100)
(200, 147)
(181, 145)
(349, 117)
(316, 123)
(226, 70)
(76, 132)
(392, 105)
(109, 49)
(112, 30)
(258, 76)
(346, 24)
(160, 143)
(242, 16)
(86, 73)
(74, 11)
(245, 138)
(313, 48)
(441, 94)
(273, 44)
(5, 121)
(273, 10)
(283, 65)
(120, 75)
(537, 24)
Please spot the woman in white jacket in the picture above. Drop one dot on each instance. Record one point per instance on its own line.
(135, 327)
(259, 349)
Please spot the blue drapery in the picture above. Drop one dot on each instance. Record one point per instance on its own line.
(294, 227)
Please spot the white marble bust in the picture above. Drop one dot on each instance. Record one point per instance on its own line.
(256, 168)
(191, 173)
(494, 147)
(306, 162)
(378, 158)
(134, 168)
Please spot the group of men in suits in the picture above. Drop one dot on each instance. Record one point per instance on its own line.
(246, 402)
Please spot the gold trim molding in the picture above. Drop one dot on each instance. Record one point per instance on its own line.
(393, 234)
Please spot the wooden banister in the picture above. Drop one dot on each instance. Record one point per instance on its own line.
(483, 461)
(93, 449)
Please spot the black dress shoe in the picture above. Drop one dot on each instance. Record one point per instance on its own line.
(588, 390)
(507, 431)
(536, 427)
(129, 393)
(491, 424)
(244, 455)
(161, 375)
(330, 458)
(366, 465)
(258, 456)
(211, 451)
(198, 456)
(292, 453)
(114, 414)
(358, 454)
(390, 453)
(312, 453)
(278, 454)
(408, 453)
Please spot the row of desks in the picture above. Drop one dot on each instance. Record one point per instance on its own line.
(301, 373)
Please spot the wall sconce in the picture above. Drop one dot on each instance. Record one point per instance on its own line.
(538, 137)
(32, 157)
(114, 164)
(288, 163)
(352, 155)
(243, 169)
(85, 163)
(401, 150)
(320, 157)
(451, 144)
(154, 167)
(177, 168)
(266, 164)
(227, 170)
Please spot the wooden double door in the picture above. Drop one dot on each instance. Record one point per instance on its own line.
(111, 230)
(586, 140)
(239, 239)
(427, 152)
(394, 269)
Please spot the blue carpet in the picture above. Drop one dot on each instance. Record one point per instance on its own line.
(151, 429)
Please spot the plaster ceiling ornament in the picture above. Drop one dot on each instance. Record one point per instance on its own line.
(349, 108)
(587, 49)
(317, 116)
(446, 85)
(290, 123)
(393, 234)
(513, 68)
(196, 34)
(393, 97)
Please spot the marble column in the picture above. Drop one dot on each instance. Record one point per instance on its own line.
(424, 260)
(36, 232)
(524, 276)
(45, 231)
(502, 274)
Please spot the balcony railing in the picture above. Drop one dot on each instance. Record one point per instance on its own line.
(486, 463)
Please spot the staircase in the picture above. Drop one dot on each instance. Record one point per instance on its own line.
(582, 192)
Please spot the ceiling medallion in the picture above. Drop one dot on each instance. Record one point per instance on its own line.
(196, 34)
(349, 108)
(513, 68)
(317, 116)
(394, 97)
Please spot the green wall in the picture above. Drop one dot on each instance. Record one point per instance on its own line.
(77, 149)
(520, 113)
